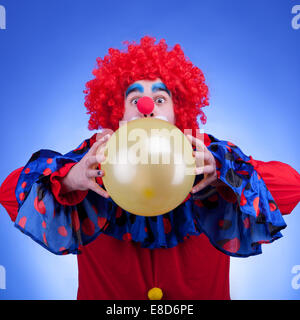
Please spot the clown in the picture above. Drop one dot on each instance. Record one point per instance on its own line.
(236, 203)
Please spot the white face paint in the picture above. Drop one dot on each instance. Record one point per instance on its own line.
(156, 117)
(161, 117)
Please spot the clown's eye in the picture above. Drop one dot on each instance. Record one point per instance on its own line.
(160, 100)
(134, 101)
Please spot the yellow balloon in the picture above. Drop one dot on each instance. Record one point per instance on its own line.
(149, 167)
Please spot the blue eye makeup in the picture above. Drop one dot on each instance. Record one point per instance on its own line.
(134, 87)
(160, 87)
(137, 87)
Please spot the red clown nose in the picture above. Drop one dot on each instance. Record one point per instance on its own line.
(145, 105)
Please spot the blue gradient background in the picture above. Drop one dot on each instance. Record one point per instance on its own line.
(250, 56)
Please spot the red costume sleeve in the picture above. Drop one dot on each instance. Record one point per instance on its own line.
(282, 181)
(7, 194)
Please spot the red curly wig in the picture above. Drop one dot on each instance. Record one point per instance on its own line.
(104, 97)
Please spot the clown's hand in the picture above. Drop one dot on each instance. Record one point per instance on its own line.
(205, 164)
(82, 175)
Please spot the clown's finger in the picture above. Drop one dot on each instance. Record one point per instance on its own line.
(98, 144)
(93, 161)
(197, 142)
(96, 188)
(100, 157)
(200, 158)
(95, 146)
(101, 150)
(205, 170)
(93, 173)
(201, 155)
(203, 184)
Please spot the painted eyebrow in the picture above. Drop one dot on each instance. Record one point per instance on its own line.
(160, 87)
(134, 87)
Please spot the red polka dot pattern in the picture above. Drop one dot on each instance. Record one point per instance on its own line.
(75, 220)
(44, 239)
(218, 164)
(127, 237)
(232, 245)
(255, 205)
(199, 203)
(118, 212)
(47, 172)
(273, 206)
(101, 222)
(62, 231)
(246, 173)
(22, 222)
(88, 227)
(167, 225)
(224, 224)
(243, 200)
(246, 223)
(39, 205)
